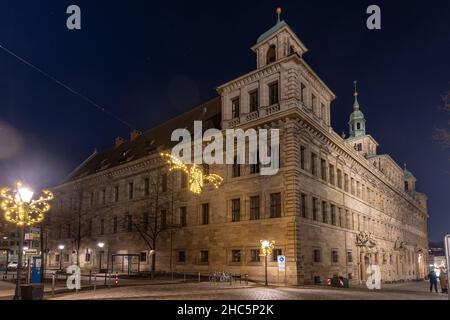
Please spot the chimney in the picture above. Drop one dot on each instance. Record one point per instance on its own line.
(120, 141)
(134, 134)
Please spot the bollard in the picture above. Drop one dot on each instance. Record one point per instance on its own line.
(53, 283)
(199, 277)
(95, 281)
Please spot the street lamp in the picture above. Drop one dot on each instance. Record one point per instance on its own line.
(21, 210)
(266, 250)
(61, 248)
(100, 245)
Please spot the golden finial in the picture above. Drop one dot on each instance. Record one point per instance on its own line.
(279, 13)
(356, 92)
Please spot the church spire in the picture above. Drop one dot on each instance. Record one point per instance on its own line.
(357, 121)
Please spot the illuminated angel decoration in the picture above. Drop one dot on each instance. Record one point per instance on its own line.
(20, 208)
(196, 176)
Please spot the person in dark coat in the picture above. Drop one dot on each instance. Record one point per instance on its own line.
(433, 280)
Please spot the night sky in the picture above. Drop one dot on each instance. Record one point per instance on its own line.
(147, 61)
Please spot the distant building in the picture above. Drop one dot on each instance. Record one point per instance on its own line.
(334, 207)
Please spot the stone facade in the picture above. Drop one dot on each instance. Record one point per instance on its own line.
(334, 207)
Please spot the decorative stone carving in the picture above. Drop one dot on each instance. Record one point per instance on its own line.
(365, 239)
(399, 245)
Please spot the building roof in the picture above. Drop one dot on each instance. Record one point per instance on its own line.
(151, 141)
(271, 31)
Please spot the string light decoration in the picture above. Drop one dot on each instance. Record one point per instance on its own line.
(197, 177)
(20, 208)
(267, 247)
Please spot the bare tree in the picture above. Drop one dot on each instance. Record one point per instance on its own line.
(443, 134)
(78, 219)
(159, 217)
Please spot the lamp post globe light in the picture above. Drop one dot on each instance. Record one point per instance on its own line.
(266, 250)
(22, 210)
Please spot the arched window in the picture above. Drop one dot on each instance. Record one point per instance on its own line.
(271, 54)
(358, 126)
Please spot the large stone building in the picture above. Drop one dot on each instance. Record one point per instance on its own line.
(334, 207)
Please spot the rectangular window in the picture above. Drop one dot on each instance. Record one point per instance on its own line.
(275, 205)
(313, 164)
(115, 225)
(324, 212)
(316, 255)
(236, 169)
(66, 257)
(254, 104)
(323, 169)
(205, 213)
(129, 223)
(181, 256)
(204, 256)
(345, 182)
(273, 93)
(303, 206)
(146, 186)
(235, 210)
(276, 253)
(302, 92)
(164, 182)
(331, 170)
(323, 112)
(254, 255)
(130, 190)
(102, 226)
(57, 257)
(254, 167)
(235, 108)
(314, 208)
(183, 216)
(358, 189)
(334, 256)
(235, 255)
(143, 256)
(302, 157)
(87, 256)
(254, 208)
(116, 194)
(349, 257)
(339, 178)
(333, 214)
(341, 221)
(145, 217)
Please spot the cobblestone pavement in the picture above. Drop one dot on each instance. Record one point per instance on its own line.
(207, 291)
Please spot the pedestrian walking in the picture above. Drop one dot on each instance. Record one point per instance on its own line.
(433, 280)
(443, 278)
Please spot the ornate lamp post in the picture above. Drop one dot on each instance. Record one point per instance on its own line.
(61, 248)
(21, 210)
(266, 250)
(100, 245)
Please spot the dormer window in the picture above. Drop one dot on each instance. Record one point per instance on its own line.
(235, 108)
(271, 54)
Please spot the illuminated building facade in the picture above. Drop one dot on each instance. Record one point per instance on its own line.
(334, 207)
